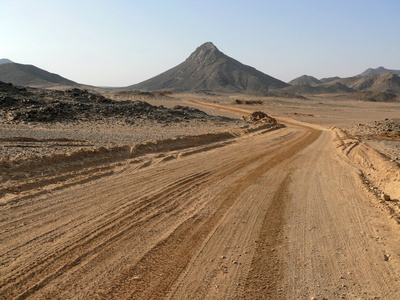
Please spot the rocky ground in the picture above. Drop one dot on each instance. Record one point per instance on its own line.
(383, 135)
(35, 122)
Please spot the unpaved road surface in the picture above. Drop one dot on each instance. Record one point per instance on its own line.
(272, 215)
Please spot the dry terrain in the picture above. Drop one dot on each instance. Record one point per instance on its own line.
(235, 211)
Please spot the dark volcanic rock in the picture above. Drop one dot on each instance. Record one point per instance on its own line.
(39, 105)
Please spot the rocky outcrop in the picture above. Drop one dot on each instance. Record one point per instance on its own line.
(39, 105)
(259, 116)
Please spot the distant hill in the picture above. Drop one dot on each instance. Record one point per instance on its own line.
(329, 79)
(302, 89)
(29, 75)
(336, 87)
(328, 88)
(380, 87)
(378, 71)
(305, 80)
(208, 69)
(5, 61)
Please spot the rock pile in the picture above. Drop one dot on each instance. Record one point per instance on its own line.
(39, 105)
(259, 116)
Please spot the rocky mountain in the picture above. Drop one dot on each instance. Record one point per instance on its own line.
(5, 61)
(305, 80)
(381, 87)
(29, 75)
(377, 71)
(208, 69)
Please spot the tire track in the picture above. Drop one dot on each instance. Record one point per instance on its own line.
(267, 270)
(151, 277)
(64, 258)
(186, 198)
(78, 250)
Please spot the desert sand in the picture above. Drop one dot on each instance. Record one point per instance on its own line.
(201, 210)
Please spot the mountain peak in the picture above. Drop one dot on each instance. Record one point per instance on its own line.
(207, 46)
(208, 69)
(205, 52)
(5, 61)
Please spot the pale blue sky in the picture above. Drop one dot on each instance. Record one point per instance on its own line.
(121, 42)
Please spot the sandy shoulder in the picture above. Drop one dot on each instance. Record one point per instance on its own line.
(23, 140)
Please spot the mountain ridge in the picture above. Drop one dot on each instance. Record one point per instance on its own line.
(385, 82)
(381, 83)
(377, 71)
(30, 75)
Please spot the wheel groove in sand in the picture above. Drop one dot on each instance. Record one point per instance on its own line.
(155, 276)
(267, 268)
(114, 226)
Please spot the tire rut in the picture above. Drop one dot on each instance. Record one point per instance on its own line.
(151, 277)
(74, 253)
(267, 269)
(109, 228)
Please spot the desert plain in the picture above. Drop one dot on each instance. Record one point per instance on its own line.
(212, 206)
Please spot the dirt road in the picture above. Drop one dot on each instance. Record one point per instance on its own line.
(271, 215)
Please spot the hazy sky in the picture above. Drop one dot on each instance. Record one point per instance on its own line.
(121, 42)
